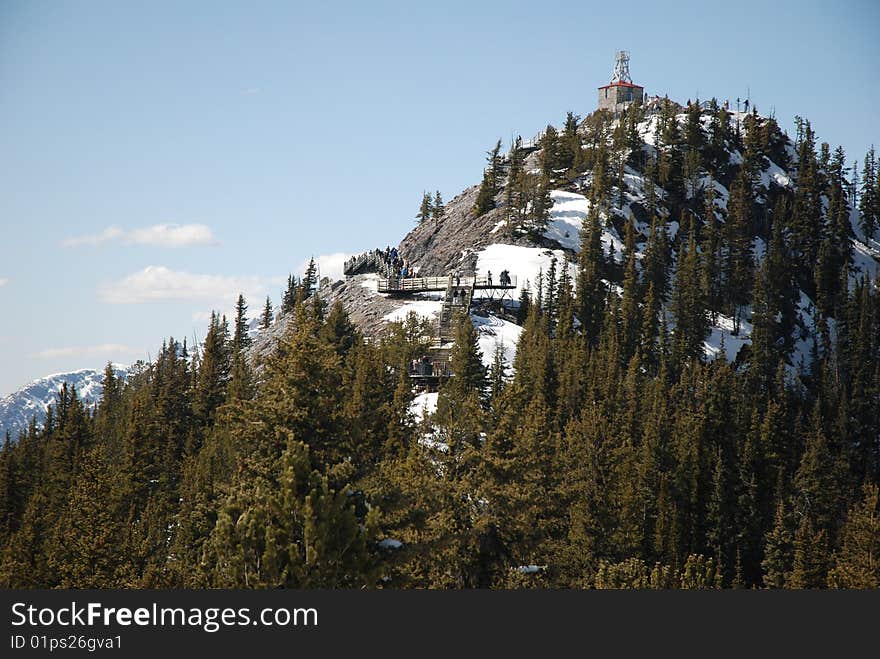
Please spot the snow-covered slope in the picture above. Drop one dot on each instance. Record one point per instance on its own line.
(17, 409)
(465, 242)
(493, 332)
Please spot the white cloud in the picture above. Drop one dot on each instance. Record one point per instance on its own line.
(329, 265)
(108, 234)
(172, 235)
(158, 283)
(103, 349)
(160, 235)
(3, 281)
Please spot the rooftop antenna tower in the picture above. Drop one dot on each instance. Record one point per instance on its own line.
(621, 67)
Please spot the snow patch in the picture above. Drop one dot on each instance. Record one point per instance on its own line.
(425, 308)
(866, 259)
(423, 405)
(492, 332)
(775, 174)
(531, 569)
(722, 334)
(371, 282)
(566, 218)
(524, 263)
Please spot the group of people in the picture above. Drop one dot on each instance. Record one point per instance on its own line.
(503, 279)
(423, 366)
(396, 265)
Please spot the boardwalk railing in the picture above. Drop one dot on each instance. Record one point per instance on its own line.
(533, 143)
(413, 284)
(482, 282)
(428, 284)
(367, 261)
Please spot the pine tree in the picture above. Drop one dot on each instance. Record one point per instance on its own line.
(569, 145)
(515, 193)
(425, 209)
(688, 304)
(497, 378)
(655, 263)
(524, 304)
(831, 274)
(631, 318)
(213, 372)
(869, 203)
(25, 563)
(8, 491)
(810, 566)
(600, 183)
(241, 341)
(857, 563)
(694, 140)
(670, 166)
(290, 295)
(267, 316)
(489, 186)
(719, 134)
(711, 253)
(589, 461)
(817, 485)
(303, 390)
(806, 216)
(438, 209)
(301, 533)
(459, 414)
(550, 297)
(549, 155)
(400, 422)
(764, 351)
(310, 279)
(89, 533)
(338, 331)
(539, 204)
(590, 302)
(700, 573)
(528, 520)
(778, 551)
(779, 276)
(649, 333)
(720, 512)
(739, 267)
(110, 411)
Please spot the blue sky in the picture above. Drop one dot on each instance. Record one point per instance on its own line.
(156, 158)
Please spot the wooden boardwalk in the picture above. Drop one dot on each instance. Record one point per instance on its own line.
(409, 285)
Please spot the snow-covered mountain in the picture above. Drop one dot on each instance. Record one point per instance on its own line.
(17, 409)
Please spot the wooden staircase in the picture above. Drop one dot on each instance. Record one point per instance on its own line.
(456, 300)
(367, 262)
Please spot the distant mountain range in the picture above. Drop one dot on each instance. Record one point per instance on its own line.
(17, 409)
